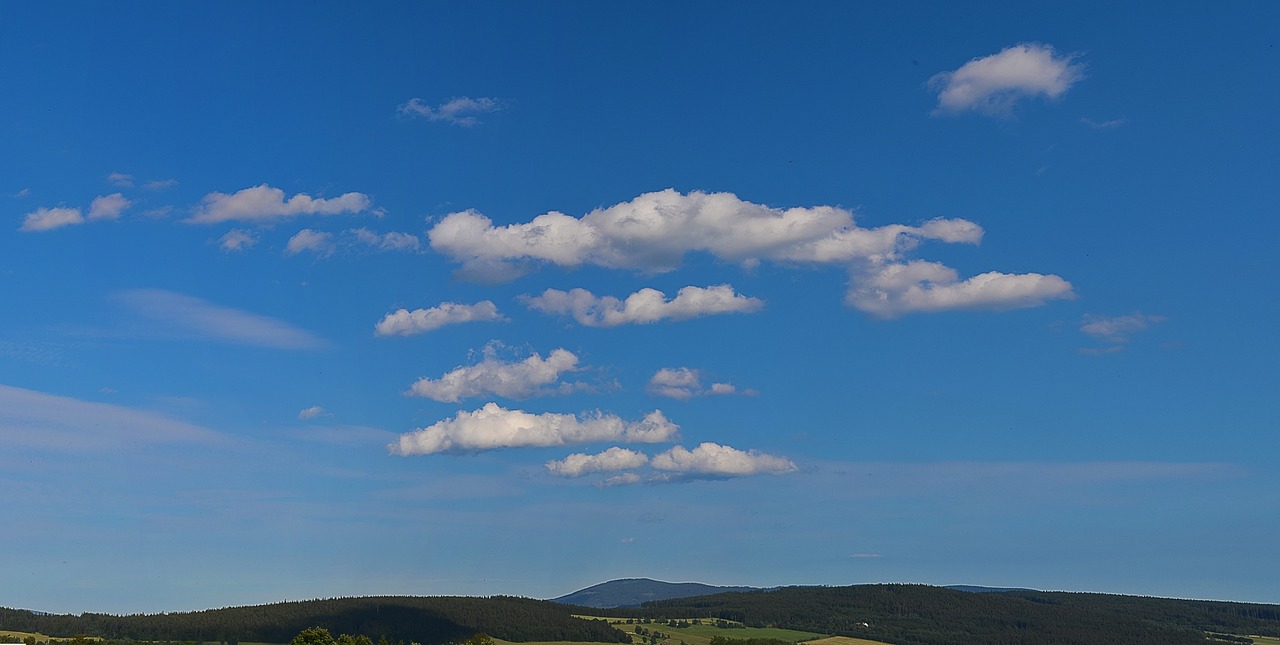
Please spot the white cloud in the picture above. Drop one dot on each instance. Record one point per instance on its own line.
(458, 111)
(108, 206)
(25, 192)
(47, 219)
(403, 322)
(715, 460)
(385, 242)
(120, 179)
(993, 84)
(191, 316)
(312, 412)
(237, 240)
(493, 427)
(654, 231)
(1117, 329)
(318, 242)
(685, 383)
(893, 290)
(611, 460)
(531, 377)
(37, 419)
(1104, 125)
(624, 479)
(642, 307)
(160, 184)
(266, 204)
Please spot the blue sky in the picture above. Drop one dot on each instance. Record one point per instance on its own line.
(316, 299)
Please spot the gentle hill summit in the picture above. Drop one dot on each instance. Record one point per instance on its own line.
(631, 592)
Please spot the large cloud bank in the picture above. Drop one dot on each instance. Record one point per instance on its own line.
(655, 231)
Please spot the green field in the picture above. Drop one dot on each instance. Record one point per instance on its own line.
(702, 634)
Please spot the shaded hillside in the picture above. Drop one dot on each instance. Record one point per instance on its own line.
(632, 592)
(427, 620)
(924, 615)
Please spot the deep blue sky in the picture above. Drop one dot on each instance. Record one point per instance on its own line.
(970, 296)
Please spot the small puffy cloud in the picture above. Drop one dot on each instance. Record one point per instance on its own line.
(642, 307)
(493, 427)
(120, 179)
(160, 184)
(458, 111)
(685, 383)
(993, 84)
(318, 242)
(312, 412)
(47, 219)
(237, 240)
(387, 241)
(1117, 329)
(492, 376)
(403, 322)
(108, 206)
(714, 460)
(654, 231)
(265, 204)
(611, 460)
(186, 315)
(1104, 125)
(894, 290)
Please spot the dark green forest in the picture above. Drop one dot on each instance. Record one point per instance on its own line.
(426, 620)
(925, 615)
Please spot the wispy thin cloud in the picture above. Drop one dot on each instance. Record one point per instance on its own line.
(193, 317)
(50, 421)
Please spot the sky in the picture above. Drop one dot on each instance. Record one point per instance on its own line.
(314, 299)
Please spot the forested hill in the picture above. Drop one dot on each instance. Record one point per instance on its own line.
(632, 592)
(924, 615)
(426, 620)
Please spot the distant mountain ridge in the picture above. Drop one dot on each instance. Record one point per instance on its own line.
(632, 592)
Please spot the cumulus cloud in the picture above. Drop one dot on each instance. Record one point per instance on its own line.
(120, 179)
(654, 231)
(993, 84)
(265, 204)
(386, 241)
(237, 240)
(1117, 329)
(514, 380)
(893, 290)
(189, 316)
(47, 219)
(493, 427)
(642, 307)
(611, 460)
(685, 383)
(458, 111)
(160, 184)
(403, 322)
(108, 206)
(312, 412)
(318, 242)
(714, 460)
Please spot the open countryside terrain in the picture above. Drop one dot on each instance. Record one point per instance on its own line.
(700, 632)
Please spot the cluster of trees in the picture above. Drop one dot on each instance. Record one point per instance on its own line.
(399, 619)
(924, 615)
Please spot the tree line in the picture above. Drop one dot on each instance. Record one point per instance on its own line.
(399, 619)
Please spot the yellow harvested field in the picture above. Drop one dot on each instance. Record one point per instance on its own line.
(843, 640)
